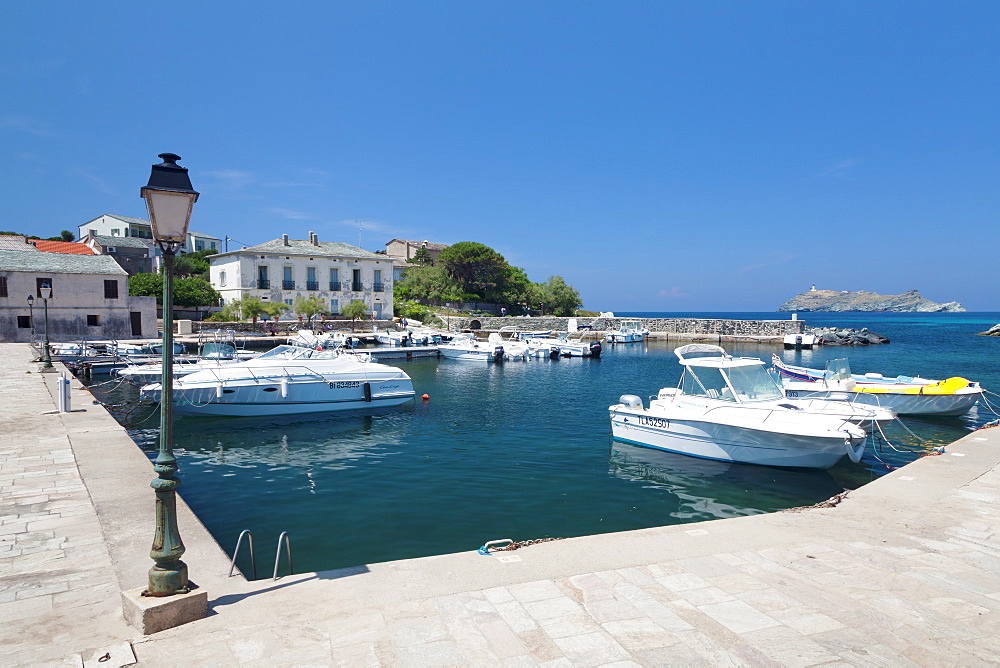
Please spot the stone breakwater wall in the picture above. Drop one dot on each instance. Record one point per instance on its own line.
(665, 326)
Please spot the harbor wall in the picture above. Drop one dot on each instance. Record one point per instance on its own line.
(679, 326)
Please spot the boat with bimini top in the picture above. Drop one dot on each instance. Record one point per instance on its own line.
(730, 409)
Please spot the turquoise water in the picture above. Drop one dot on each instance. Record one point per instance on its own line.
(523, 451)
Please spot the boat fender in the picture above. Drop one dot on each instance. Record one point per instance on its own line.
(595, 349)
(284, 388)
(368, 392)
(498, 354)
(218, 390)
(855, 452)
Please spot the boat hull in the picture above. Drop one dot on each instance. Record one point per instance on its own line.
(729, 443)
(274, 397)
(942, 405)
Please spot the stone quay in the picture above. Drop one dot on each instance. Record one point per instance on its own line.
(903, 571)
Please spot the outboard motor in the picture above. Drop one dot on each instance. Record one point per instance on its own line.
(798, 342)
(595, 349)
(630, 401)
(554, 353)
(405, 341)
(498, 354)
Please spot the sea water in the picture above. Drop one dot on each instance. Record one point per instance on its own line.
(523, 450)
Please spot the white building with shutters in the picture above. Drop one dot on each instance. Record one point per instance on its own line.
(283, 269)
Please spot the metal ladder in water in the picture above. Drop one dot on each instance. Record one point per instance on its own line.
(253, 559)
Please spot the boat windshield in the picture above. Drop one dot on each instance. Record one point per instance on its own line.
(752, 383)
(838, 369)
(707, 382)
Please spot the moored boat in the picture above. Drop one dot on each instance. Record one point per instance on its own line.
(730, 409)
(630, 331)
(288, 380)
(905, 395)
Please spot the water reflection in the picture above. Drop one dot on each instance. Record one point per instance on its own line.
(707, 489)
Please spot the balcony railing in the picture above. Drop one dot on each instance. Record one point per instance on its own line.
(334, 286)
(356, 286)
(378, 287)
(288, 285)
(263, 284)
(312, 285)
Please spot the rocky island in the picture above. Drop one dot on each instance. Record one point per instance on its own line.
(910, 301)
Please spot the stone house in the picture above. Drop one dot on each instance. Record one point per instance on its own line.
(113, 225)
(283, 269)
(133, 254)
(402, 251)
(89, 298)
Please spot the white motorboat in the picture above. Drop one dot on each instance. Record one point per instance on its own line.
(800, 341)
(904, 395)
(467, 348)
(512, 348)
(562, 346)
(629, 331)
(730, 409)
(288, 380)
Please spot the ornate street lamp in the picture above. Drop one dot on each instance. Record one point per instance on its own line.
(31, 315)
(169, 198)
(45, 289)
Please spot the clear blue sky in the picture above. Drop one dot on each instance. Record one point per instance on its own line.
(660, 156)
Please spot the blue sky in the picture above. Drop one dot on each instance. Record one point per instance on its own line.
(660, 156)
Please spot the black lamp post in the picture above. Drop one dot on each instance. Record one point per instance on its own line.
(31, 315)
(169, 198)
(46, 291)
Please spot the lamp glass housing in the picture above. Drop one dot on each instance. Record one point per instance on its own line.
(45, 291)
(31, 300)
(169, 213)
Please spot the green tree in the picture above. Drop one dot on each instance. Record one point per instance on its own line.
(356, 310)
(194, 292)
(146, 285)
(560, 298)
(309, 307)
(426, 283)
(422, 256)
(479, 270)
(246, 308)
(67, 235)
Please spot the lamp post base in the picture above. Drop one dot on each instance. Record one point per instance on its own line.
(169, 579)
(153, 614)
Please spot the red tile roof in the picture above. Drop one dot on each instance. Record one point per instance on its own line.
(62, 247)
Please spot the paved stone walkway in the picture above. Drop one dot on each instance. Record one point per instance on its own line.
(58, 590)
(905, 571)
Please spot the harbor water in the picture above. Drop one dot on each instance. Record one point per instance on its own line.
(523, 450)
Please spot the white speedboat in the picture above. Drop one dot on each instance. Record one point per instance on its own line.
(730, 409)
(288, 380)
(629, 331)
(467, 348)
(903, 394)
(800, 341)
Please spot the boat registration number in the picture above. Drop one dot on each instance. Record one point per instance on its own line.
(660, 423)
(344, 384)
(791, 393)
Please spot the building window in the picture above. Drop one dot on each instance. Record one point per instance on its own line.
(378, 280)
(262, 281)
(111, 289)
(222, 279)
(288, 301)
(335, 280)
(287, 282)
(93, 320)
(311, 282)
(23, 322)
(39, 282)
(356, 282)
(3, 286)
(199, 245)
(116, 232)
(335, 306)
